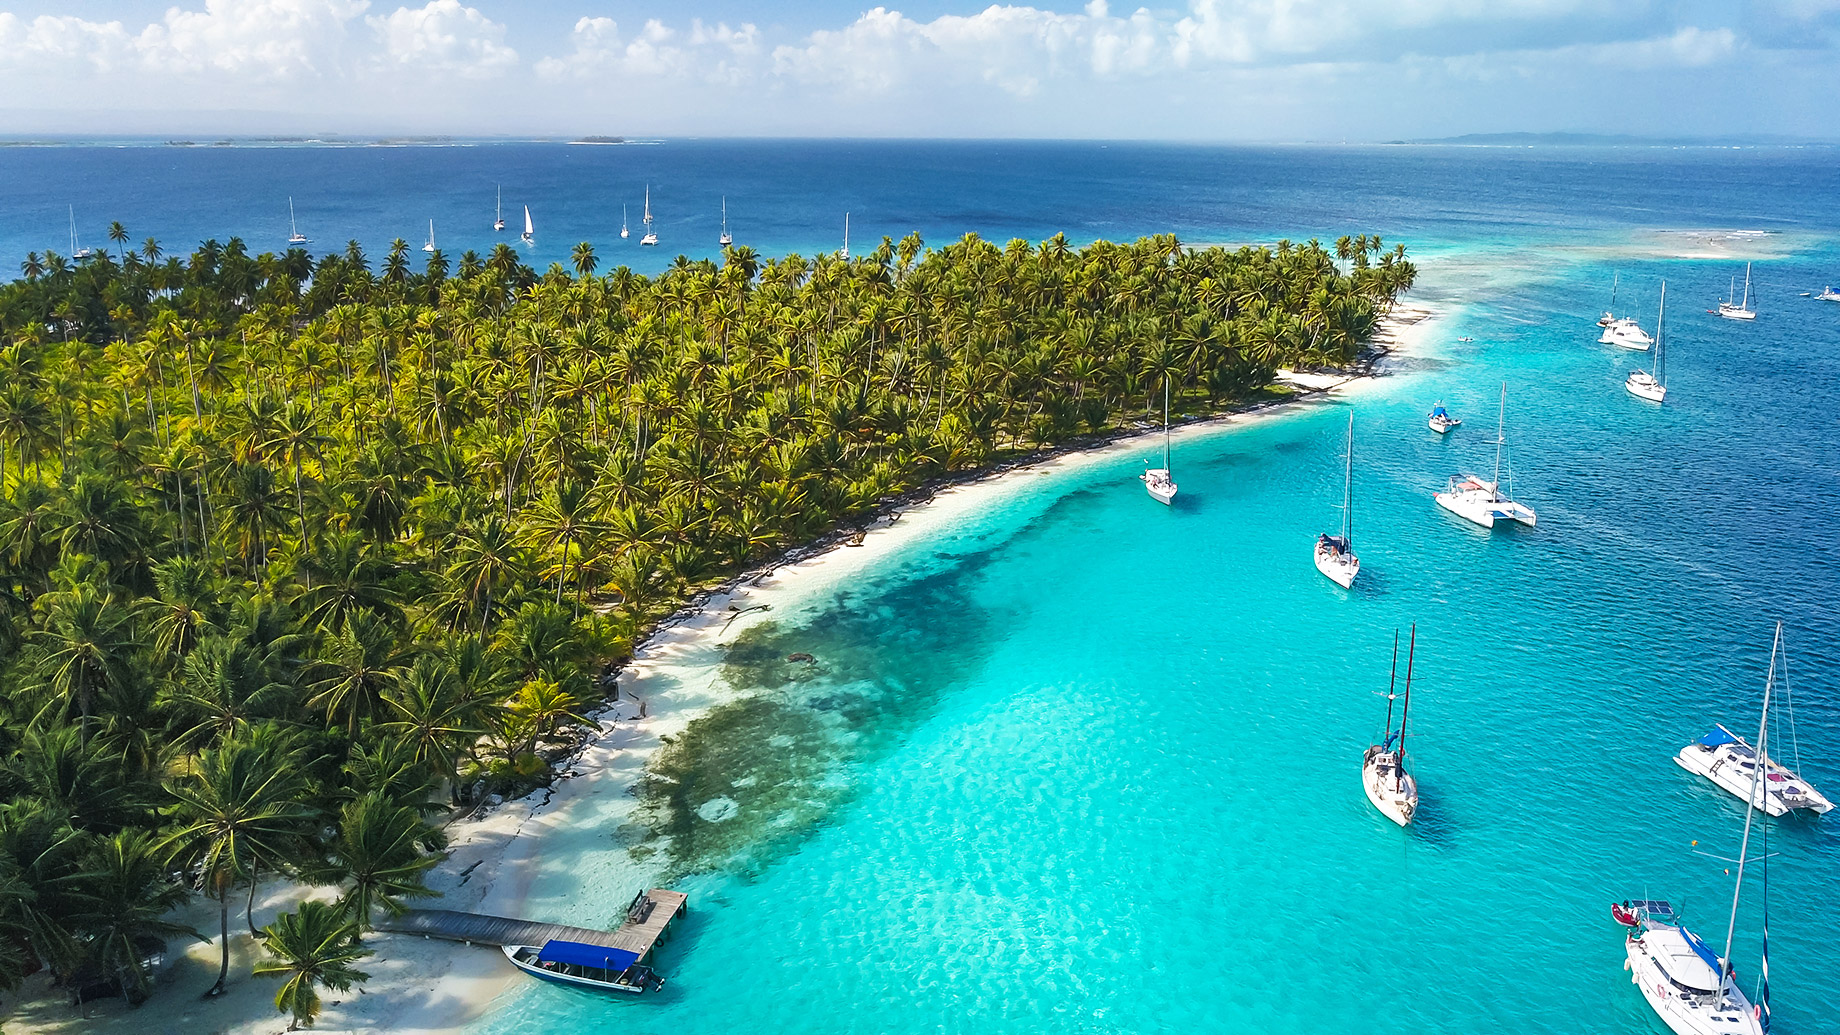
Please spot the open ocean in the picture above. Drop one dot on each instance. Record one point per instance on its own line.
(1087, 764)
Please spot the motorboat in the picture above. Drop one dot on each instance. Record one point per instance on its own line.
(1389, 787)
(1732, 310)
(1441, 421)
(1159, 482)
(1724, 758)
(581, 965)
(1652, 384)
(1625, 333)
(1483, 502)
(1335, 553)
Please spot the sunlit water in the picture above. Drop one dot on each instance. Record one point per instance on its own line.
(1082, 763)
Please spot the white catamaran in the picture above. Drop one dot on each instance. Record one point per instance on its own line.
(1158, 481)
(1483, 502)
(1335, 553)
(1742, 310)
(498, 221)
(1383, 768)
(1652, 384)
(530, 231)
(648, 237)
(727, 238)
(1693, 990)
(294, 234)
(1724, 758)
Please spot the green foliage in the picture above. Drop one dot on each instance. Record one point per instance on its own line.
(312, 948)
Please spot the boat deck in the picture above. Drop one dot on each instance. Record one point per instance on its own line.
(648, 919)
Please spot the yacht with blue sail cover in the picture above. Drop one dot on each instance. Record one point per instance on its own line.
(1440, 419)
(581, 965)
(1724, 758)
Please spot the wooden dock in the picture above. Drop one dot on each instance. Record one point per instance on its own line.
(648, 919)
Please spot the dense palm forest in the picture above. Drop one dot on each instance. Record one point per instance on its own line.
(298, 556)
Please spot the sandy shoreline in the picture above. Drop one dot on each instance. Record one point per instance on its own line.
(420, 986)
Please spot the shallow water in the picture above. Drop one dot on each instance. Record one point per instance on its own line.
(1082, 763)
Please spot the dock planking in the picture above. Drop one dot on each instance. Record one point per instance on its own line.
(647, 919)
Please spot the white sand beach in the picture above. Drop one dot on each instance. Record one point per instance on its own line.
(495, 862)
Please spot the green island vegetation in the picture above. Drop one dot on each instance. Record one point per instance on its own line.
(299, 558)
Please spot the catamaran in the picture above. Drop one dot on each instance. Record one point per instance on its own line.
(498, 221)
(649, 237)
(1483, 502)
(1335, 553)
(1693, 990)
(1383, 768)
(294, 234)
(1652, 384)
(1724, 758)
(727, 238)
(430, 245)
(1440, 419)
(530, 231)
(1743, 310)
(1158, 481)
(77, 251)
(845, 254)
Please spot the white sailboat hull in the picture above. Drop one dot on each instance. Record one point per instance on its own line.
(1160, 486)
(1337, 566)
(1782, 792)
(1727, 1014)
(1395, 796)
(1476, 500)
(1732, 312)
(1643, 385)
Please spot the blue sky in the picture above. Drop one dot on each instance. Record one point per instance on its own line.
(1269, 70)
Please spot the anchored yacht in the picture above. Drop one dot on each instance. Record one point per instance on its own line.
(1724, 758)
(1383, 768)
(1335, 553)
(1160, 482)
(1687, 985)
(1652, 384)
(1483, 502)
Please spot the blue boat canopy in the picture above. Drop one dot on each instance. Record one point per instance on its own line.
(581, 954)
(1438, 411)
(1718, 737)
(1703, 951)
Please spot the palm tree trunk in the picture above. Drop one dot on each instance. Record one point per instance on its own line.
(249, 912)
(223, 924)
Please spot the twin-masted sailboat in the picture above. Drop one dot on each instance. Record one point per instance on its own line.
(1483, 502)
(1731, 310)
(1383, 768)
(1335, 553)
(1158, 481)
(1652, 384)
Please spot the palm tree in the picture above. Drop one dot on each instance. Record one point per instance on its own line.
(119, 235)
(88, 639)
(361, 664)
(377, 853)
(238, 811)
(436, 717)
(583, 259)
(123, 899)
(314, 947)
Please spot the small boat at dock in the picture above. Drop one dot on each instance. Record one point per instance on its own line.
(599, 967)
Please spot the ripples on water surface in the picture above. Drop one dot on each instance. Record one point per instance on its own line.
(1085, 764)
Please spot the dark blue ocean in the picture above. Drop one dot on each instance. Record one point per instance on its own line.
(1117, 786)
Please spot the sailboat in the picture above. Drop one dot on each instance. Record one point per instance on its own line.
(1621, 331)
(1383, 768)
(1335, 554)
(726, 238)
(1483, 502)
(530, 231)
(498, 222)
(1743, 310)
(624, 233)
(1693, 990)
(1828, 294)
(650, 237)
(845, 254)
(77, 251)
(1157, 480)
(1724, 758)
(294, 234)
(1609, 316)
(430, 245)
(1652, 384)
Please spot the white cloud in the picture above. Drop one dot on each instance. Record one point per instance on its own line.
(61, 42)
(444, 36)
(714, 53)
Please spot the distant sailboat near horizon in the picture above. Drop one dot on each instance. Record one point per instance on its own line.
(294, 234)
(1483, 502)
(529, 235)
(845, 253)
(1652, 385)
(1159, 482)
(1383, 767)
(429, 247)
(727, 238)
(77, 251)
(1743, 310)
(649, 238)
(498, 221)
(1335, 554)
(624, 232)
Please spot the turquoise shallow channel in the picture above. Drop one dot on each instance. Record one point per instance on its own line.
(1081, 763)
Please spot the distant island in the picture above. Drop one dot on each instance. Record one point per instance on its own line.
(1609, 140)
(599, 140)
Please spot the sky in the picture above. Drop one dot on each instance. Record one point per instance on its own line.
(1216, 70)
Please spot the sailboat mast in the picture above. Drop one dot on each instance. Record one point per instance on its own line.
(1501, 419)
(501, 202)
(1614, 278)
(1399, 766)
(1661, 337)
(1165, 424)
(1348, 491)
(1392, 682)
(1750, 811)
(1747, 286)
